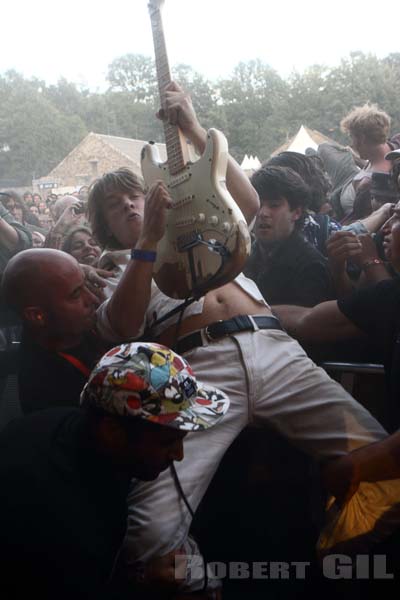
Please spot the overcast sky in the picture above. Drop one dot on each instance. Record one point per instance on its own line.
(78, 39)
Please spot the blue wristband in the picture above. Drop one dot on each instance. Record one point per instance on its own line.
(145, 255)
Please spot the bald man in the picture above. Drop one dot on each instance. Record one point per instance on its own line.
(59, 344)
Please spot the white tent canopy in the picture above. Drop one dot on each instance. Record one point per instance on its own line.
(301, 141)
(250, 163)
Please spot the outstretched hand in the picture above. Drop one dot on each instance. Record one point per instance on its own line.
(96, 280)
(69, 218)
(341, 246)
(340, 478)
(368, 251)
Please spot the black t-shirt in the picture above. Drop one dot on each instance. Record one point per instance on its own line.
(376, 310)
(47, 380)
(294, 272)
(62, 510)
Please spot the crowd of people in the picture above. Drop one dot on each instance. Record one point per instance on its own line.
(109, 367)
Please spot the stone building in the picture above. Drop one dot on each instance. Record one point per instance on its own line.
(96, 154)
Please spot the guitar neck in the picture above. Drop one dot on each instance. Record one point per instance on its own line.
(174, 140)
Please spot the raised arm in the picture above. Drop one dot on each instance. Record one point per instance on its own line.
(375, 220)
(322, 323)
(127, 306)
(13, 236)
(376, 462)
(179, 111)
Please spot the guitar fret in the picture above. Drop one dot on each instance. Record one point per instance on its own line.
(173, 137)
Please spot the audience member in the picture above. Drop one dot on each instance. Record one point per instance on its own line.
(34, 210)
(394, 158)
(82, 246)
(319, 226)
(373, 311)
(311, 170)
(38, 239)
(47, 290)
(83, 193)
(14, 237)
(383, 190)
(19, 210)
(373, 194)
(36, 199)
(368, 127)
(67, 214)
(66, 472)
(27, 198)
(285, 266)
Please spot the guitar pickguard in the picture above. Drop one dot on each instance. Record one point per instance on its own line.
(206, 241)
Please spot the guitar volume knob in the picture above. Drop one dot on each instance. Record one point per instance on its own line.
(201, 218)
(213, 220)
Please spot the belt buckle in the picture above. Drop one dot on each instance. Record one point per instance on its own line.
(208, 334)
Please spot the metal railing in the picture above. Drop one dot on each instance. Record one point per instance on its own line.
(356, 368)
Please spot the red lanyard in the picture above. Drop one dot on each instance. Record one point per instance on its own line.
(76, 362)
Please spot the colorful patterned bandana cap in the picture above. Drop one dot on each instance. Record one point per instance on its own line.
(152, 382)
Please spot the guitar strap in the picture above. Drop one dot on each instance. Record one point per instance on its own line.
(148, 336)
(180, 309)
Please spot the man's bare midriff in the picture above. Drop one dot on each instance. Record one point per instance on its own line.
(226, 302)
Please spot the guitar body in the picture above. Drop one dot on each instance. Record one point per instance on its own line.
(206, 241)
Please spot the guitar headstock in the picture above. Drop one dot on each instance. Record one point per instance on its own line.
(155, 5)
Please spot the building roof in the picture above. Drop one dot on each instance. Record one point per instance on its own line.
(304, 138)
(129, 147)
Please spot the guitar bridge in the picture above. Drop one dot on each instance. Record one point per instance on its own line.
(188, 240)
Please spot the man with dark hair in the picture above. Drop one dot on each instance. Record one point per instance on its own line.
(311, 170)
(65, 473)
(285, 266)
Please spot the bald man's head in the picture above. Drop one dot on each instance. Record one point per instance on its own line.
(30, 276)
(47, 289)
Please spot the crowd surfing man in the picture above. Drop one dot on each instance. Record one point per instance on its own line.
(65, 472)
(235, 344)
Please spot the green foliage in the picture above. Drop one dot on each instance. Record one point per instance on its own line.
(34, 134)
(256, 108)
(133, 73)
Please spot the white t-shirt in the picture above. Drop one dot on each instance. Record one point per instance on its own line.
(159, 304)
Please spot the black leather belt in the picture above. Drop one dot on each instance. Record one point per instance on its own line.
(220, 329)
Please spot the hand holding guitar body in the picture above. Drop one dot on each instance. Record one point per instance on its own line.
(158, 201)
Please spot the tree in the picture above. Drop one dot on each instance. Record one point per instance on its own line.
(136, 74)
(252, 99)
(36, 133)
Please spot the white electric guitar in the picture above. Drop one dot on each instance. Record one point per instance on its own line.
(206, 242)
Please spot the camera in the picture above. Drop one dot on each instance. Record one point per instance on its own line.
(80, 208)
